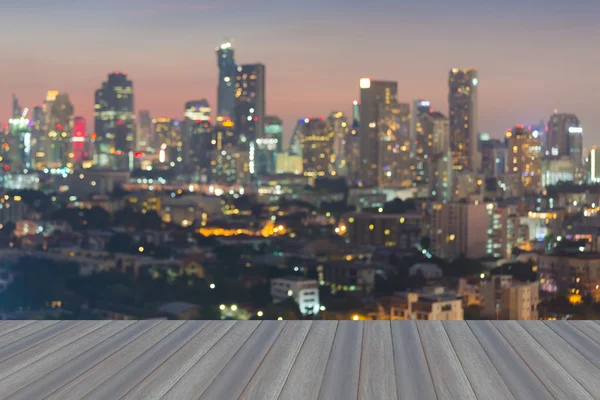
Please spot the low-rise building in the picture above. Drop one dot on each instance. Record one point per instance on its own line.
(571, 273)
(503, 297)
(304, 291)
(390, 230)
(428, 304)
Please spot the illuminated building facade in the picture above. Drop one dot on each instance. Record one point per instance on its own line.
(15, 148)
(420, 108)
(80, 149)
(114, 121)
(145, 137)
(38, 138)
(341, 129)
(227, 79)
(373, 96)
(196, 135)
(249, 105)
(432, 132)
(316, 138)
(565, 138)
(557, 169)
(493, 155)
(353, 145)
(168, 133)
(231, 166)
(60, 131)
(523, 160)
(274, 130)
(462, 100)
(594, 166)
(394, 141)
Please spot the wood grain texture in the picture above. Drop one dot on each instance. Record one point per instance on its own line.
(591, 329)
(343, 368)
(22, 377)
(571, 360)
(23, 330)
(232, 380)
(269, 378)
(413, 379)
(200, 376)
(377, 378)
(304, 380)
(577, 339)
(46, 347)
(89, 380)
(58, 378)
(157, 383)
(449, 378)
(33, 339)
(483, 376)
(521, 381)
(9, 326)
(122, 382)
(546, 368)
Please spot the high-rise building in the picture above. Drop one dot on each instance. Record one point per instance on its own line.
(249, 103)
(145, 136)
(417, 135)
(431, 137)
(168, 133)
(373, 96)
(197, 110)
(394, 164)
(493, 155)
(17, 111)
(80, 149)
(505, 298)
(38, 138)
(340, 127)
(15, 144)
(462, 100)
(316, 137)
(227, 80)
(114, 120)
(196, 133)
(524, 158)
(594, 165)
(274, 130)
(60, 130)
(353, 145)
(457, 229)
(565, 138)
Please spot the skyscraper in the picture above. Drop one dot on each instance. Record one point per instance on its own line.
(145, 137)
(196, 135)
(274, 130)
(565, 138)
(430, 136)
(60, 130)
(353, 145)
(249, 107)
(168, 133)
(373, 95)
(462, 100)
(420, 108)
(340, 127)
(80, 140)
(114, 119)
(316, 136)
(227, 76)
(524, 158)
(394, 164)
(17, 110)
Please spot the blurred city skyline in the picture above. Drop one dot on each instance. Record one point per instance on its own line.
(532, 57)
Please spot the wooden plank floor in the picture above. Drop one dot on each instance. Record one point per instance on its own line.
(303, 360)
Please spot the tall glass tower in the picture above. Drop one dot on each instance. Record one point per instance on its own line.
(227, 75)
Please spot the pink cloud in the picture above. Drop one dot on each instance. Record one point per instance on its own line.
(179, 7)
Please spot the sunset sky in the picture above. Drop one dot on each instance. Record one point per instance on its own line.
(533, 56)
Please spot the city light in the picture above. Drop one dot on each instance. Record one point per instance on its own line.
(365, 83)
(212, 286)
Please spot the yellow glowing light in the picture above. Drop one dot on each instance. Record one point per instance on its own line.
(234, 308)
(141, 249)
(365, 83)
(222, 307)
(355, 318)
(260, 313)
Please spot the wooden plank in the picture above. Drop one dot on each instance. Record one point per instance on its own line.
(553, 376)
(21, 378)
(9, 326)
(449, 378)
(377, 372)
(570, 359)
(201, 375)
(33, 339)
(311, 363)
(481, 372)
(521, 381)
(232, 380)
(64, 375)
(127, 378)
(157, 383)
(576, 338)
(41, 350)
(413, 379)
(269, 378)
(23, 330)
(591, 329)
(343, 368)
(114, 363)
